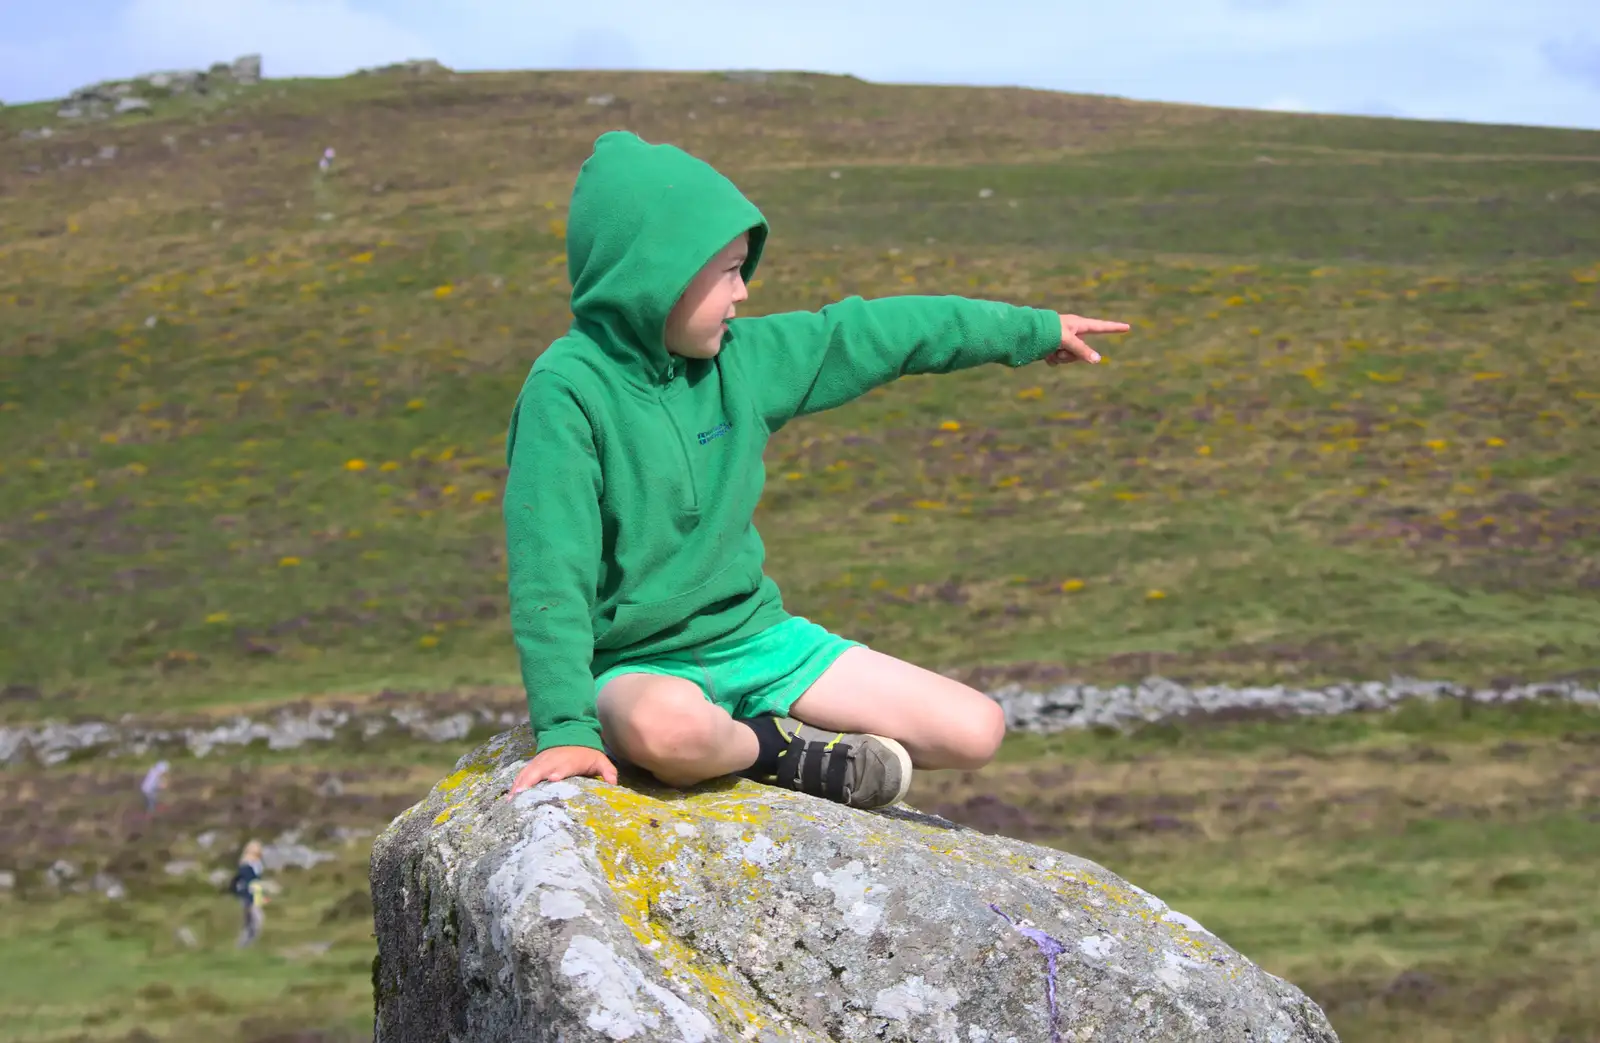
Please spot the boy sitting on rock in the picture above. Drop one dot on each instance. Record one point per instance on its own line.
(643, 620)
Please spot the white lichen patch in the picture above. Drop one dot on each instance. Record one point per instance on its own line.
(613, 985)
(1171, 971)
(914, 999)
(760, 851)
(546, 859)
(544, 793)
(850, 887)
(1185, 921)
(1097, 946)
(562, 905)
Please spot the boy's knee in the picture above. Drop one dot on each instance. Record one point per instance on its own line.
(981, 726)
(679, 739)
(663, 722)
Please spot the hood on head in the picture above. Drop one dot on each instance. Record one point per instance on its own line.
(644, 220)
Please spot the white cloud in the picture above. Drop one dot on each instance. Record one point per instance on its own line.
(296, 37)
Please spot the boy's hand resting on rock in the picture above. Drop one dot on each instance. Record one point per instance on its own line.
(561, 762)
(1074, 350)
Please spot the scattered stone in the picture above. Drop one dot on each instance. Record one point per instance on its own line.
(415, 67)
(246, 70)
(305, 950)
(584, 908)
(109, 886)
(985, 193)
(185, 937)
(287, 852)
(181, 867)
(601, 100)
(218, 877)
(8, 880)
(97, 101)
(108, 152)
(1052, 710)
(60, 872)
(206, 839)
(1157, 699)
(332, 786)
(448, 729)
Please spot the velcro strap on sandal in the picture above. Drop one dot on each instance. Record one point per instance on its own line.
(811, 770)
(838, 769)
(789, 767)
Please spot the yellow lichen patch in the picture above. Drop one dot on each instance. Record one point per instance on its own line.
(456, 780)
(637, 842)
(444, 816)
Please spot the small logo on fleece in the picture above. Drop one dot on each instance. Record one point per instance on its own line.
(706, 437)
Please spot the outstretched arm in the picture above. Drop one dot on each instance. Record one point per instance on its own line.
(805, 362)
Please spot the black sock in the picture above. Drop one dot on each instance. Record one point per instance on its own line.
(771, 743)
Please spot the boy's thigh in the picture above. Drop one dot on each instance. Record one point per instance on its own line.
(867, 691)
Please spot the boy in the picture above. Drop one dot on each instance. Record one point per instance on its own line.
(247, 886)
(643, 620)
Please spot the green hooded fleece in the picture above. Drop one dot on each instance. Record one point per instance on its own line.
(634, 473)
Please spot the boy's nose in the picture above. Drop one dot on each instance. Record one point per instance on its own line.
(740, 292)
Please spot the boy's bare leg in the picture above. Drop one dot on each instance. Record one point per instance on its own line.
(942, 723)
(667, 726)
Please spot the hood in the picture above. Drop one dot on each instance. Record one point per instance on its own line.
(644, 220)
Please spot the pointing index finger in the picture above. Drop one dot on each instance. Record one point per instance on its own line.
(1100, 326)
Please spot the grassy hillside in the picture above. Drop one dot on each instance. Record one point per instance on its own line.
(251, 422)
(253, 414)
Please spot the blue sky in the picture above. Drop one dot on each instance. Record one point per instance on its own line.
(1531, 61)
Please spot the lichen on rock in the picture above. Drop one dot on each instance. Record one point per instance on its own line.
(583, 911)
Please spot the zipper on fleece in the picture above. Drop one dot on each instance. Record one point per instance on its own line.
(683, 448)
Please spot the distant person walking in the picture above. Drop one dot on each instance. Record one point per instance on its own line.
(247, 887)
(155, 780)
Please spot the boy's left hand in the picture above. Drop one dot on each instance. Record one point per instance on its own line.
(1074, 350)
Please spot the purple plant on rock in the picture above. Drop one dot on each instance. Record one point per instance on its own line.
(1051, 948)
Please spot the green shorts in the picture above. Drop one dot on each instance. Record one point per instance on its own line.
(762, 674)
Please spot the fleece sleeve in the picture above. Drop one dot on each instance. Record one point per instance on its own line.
(805, 362)
(552, 516)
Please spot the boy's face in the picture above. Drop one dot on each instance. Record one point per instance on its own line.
(700, 318)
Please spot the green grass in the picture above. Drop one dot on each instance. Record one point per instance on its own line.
(251, 446)
(1423, 873)
(1346, 436)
